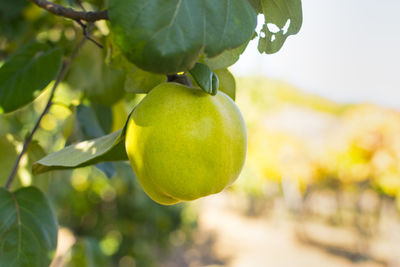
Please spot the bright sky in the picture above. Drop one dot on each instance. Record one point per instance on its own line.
(347, 50)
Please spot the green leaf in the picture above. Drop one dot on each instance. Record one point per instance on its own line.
(28, 228)
(88, 126)
(26, 73)
(8, 156)
(168, 36)
(35, 152)
(205, 78)
(100, 83)
(104, 116)
(282, 18)
(106, 148)
(12, 22)
(226, 59)
(137, 80)
(97, 117)
(227, 83)
(110, 147)
(9, 145)
(88, 123)
(69, 125)
(11, 10)
(255, 4)
(109, 89)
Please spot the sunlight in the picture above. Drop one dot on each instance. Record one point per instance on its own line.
(86, 145)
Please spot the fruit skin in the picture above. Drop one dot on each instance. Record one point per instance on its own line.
(184, 144)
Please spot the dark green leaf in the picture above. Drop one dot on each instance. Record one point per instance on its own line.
(88, 123)
(104, 116)
(11, 10)
(28, 228)
(107, 168)
(282, 18)
(26, 73)
(205, 78)
(168, 36)
(11, 19)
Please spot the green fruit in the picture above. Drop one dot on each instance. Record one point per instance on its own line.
(184, 144)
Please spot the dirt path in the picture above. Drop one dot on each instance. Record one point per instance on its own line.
(260, 242)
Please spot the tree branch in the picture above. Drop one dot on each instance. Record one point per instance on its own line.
(64, 69)
(66, 12)
(86, 34)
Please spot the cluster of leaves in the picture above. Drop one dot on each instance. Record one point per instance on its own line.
(144, 41)
(109, 219)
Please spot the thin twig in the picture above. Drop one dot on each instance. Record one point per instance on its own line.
(66, 12)
(87, 36)
(85, 26)
(64, 69)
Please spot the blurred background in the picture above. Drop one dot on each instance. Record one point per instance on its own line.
(321, 183)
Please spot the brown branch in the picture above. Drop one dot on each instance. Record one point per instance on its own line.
(66, 12)
(64, 69)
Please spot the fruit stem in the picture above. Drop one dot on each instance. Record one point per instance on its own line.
(180, 78)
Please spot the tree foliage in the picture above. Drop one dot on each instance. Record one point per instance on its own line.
(107, 57)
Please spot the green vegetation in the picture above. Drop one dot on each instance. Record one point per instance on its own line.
(70, 75)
